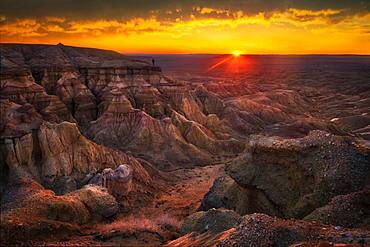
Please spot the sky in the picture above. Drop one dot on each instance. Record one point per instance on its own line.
(218, 26)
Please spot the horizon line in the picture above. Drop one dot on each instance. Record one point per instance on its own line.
(254, 54)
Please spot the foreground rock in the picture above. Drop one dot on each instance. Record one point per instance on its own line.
(262, 230)
(292, 177)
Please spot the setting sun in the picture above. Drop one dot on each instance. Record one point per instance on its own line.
(236, 53)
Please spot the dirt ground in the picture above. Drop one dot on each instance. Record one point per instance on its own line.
(157, 222)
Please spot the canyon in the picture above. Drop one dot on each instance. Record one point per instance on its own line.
(99, 148)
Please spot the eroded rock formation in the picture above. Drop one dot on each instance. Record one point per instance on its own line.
(59, 157)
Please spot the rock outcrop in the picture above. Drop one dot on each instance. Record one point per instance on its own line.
(97, 200)
(117, 181)
(147, 138)
(225, 193)
(171, 118)
(292, 177)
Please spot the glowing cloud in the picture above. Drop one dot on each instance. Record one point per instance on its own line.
(203, 30)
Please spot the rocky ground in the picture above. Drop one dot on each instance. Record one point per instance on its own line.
(97, 148)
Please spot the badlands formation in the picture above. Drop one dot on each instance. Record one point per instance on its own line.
(97, 148)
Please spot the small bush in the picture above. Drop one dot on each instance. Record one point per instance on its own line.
(133, 224)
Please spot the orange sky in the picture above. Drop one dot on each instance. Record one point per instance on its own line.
(202, 30)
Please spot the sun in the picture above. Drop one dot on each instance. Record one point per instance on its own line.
(236, 53)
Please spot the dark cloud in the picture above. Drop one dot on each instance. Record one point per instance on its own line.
(116, 9)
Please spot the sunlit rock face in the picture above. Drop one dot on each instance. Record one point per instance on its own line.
(148, 138)
(167, 125)
(22, 89)
(71, 89)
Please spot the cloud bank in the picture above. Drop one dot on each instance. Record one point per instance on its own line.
(192, 26)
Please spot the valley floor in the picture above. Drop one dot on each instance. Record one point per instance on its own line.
(156, 223)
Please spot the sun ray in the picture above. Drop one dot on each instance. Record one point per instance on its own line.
(219, 63)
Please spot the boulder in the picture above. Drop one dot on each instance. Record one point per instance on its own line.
(98, 201)
(117, 181)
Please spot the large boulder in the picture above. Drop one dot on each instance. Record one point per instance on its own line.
(213, 220)
(291, 177)
(98, 201)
